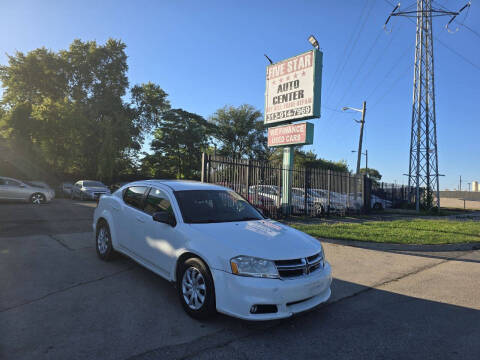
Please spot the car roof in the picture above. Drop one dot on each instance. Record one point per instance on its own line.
(179, 185)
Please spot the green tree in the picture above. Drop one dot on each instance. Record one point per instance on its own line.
(240, 131)
(373, 174)
(309, 159)
(66, 111)
(178, 144)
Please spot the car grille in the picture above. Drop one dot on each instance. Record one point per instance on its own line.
(299, 267)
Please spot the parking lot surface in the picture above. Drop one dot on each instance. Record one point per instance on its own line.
(59, 301)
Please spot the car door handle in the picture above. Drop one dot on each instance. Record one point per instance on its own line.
(139, 219)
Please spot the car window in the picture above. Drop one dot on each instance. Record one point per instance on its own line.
(134, 195)
(93, 184)
(12, 183)
(157, 201)
(209, 206)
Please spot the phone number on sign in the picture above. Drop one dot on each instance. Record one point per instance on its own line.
(304, 110)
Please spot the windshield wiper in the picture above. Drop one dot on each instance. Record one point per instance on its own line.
(247, 218)
(206, 221)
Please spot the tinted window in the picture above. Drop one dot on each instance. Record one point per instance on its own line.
(156, 201)
(133, 196)
(93, 184)
(208, 206)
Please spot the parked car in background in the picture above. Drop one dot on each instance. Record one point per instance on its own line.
(13, 189)
(378, 203)
(66, 189)
(220, 251)
(89, 190)
(116, 186)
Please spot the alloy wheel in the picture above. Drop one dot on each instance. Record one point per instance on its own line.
(37, 199)
(102, 240)
(193, 288)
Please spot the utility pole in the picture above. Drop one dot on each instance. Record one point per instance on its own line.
(460, 187)
(366, 161)
(362, 123)
(423, 165)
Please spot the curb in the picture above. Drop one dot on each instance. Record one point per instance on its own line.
(403, 247)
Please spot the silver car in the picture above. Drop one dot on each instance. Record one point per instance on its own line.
(89, 190)
(13, 189)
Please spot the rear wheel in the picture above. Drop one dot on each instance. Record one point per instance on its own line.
(195, 289)
(37, 198)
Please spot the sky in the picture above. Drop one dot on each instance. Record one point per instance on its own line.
(208, 54)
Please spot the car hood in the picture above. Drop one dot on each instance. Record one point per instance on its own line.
(265, 239)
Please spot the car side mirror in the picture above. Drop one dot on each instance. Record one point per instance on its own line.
(164, 217)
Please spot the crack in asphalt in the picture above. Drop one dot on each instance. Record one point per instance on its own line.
(60, 242)
(68, 288)
(159, 353)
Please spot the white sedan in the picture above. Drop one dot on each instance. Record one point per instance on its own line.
(220, 251)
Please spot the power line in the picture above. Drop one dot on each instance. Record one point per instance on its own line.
(352, 81)
(346, 48)
(472, 30)
(407, 49)
(352, 47)
(392, 86)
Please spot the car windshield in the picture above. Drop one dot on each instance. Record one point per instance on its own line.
(93, 184)
(297, 192)
(212, 206)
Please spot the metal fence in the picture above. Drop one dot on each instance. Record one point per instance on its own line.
(314, 192)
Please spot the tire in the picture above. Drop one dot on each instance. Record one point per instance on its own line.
(37, 199)
(320, 211)
(103, 242)
(194, 274)
(378, 206)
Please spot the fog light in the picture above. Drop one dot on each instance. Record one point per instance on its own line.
(253, 309)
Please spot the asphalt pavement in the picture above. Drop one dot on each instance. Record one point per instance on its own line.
(59, 301)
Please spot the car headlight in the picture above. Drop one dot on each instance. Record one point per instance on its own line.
(255, 267)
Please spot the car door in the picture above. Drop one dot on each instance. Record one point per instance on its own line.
(76, 188)
(3, 189)
(161, 241)
(15, 190)
(131, 220)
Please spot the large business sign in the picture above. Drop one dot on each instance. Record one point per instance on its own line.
(293, 88)
(292, 134)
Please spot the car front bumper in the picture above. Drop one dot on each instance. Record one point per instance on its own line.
(235, 295)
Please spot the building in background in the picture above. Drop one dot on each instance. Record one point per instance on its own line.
(475, 186)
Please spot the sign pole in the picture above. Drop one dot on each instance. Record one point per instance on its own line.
(288, 157)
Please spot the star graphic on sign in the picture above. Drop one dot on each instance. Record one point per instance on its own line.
(303, 73)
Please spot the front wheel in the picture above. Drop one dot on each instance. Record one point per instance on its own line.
(37, 199)
(377, 206)
(195, 289)
(104, 242)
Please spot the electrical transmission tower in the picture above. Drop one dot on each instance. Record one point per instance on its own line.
(423, 167)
